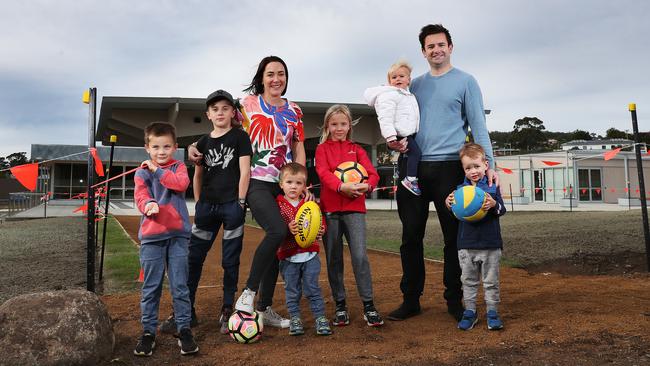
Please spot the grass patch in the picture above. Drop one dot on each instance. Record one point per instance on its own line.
(121, 262)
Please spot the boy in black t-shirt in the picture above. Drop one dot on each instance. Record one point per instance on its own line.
(220, 187)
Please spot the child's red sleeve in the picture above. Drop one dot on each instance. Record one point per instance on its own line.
(142, 195)
(327, 178)
(176, 181)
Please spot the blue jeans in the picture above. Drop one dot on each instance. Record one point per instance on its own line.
(208, 218)
(154, 257)
(299, 278)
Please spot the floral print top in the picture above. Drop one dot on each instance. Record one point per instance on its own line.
(272, 131)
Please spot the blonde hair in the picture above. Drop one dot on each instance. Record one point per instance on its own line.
(293, 168)
(331, 111)
(472, 151)
(397, 65)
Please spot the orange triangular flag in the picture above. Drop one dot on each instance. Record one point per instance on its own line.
(141, 276)
(612, 153)
(83, 208)
(506, 170)
(550, 163)
(99, 167)
(26, 174)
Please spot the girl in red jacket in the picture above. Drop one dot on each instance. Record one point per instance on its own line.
(344, 205)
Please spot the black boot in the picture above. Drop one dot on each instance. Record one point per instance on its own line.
(406, 310)
(456, 310)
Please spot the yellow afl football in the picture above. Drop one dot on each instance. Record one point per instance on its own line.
(309, 220)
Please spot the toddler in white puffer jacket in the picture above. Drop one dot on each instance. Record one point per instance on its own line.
(399, 117)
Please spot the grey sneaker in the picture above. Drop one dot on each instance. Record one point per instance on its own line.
(245, 302)
(295, 326)
(323, 326)
(273, 319)
(341, 317)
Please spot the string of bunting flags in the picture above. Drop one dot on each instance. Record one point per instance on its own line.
(27, 175)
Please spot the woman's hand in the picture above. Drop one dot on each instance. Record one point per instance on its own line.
(194, 155)
(293, 227)
(308, 195)
(450, 200)
(489, 202)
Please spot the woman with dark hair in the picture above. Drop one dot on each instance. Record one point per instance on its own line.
(275, 127)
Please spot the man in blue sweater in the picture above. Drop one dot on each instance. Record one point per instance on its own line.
(450, 104)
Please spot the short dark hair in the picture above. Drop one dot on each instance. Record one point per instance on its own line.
(293, 168)
(159, 129)
(430, 29)
(256, 86)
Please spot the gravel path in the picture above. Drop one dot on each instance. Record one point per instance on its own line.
(41, 255)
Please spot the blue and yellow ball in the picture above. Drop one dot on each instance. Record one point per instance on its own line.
(468, 201)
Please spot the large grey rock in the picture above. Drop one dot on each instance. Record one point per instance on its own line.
(69, 327)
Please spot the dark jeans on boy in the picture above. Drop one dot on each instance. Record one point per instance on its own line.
(437, 179)
(208, 218)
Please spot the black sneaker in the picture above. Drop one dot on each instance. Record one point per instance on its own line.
(341, 317)
(226, 312)
(169, 325)
(146, 344)
(372, 317)
(186, 342)
(404, 311)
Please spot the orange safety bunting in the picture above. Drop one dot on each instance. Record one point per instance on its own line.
(99, 167)
(551, 163)
(610, 154)
(141, 276)
(26, 174)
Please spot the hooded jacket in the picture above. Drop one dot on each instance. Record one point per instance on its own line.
(329, 155)
(397, 110)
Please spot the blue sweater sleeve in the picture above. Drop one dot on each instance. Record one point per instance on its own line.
(475, 114)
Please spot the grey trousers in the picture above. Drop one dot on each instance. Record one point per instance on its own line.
(480, 265)
(353, 224)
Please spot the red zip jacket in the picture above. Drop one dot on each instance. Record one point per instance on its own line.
(329, 155)
(290, 247)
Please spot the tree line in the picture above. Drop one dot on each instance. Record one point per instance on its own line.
(529, 135)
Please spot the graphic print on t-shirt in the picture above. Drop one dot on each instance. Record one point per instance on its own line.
(219, 156)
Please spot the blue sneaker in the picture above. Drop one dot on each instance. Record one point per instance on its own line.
(412, 186)
(468, 321)
(494, 321)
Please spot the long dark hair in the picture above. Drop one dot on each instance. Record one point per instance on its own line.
(256, 86)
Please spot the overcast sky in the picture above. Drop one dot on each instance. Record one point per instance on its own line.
(573, 64)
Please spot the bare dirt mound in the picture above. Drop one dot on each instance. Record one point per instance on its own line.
(550, 319)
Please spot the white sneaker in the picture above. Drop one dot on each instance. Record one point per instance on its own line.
(273, 319)
(245, 302)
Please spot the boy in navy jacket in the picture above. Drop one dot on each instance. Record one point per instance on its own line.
(479, 243)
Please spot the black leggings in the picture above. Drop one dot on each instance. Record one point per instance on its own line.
(264, 269)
